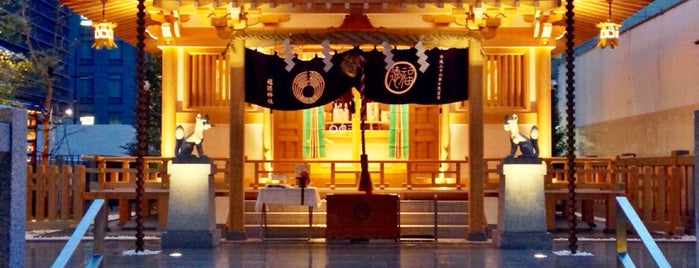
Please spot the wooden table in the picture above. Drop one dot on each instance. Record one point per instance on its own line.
(289, 197)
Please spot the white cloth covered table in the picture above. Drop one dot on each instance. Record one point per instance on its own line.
(287, 196)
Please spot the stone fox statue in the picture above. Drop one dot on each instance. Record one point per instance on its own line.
(529, 147)
(184, 146)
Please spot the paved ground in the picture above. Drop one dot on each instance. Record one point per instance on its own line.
(595, 249)
(318, 253)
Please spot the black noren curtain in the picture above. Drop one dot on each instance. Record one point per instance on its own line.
(444, 81)
(307, 84)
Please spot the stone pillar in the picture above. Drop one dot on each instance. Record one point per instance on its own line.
(522, 210)
(191, 218)
(13, 185)
(695, 175)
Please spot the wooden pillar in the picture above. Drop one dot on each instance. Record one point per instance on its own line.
(170, 77)
(356, 128)
(444, 136)
(542, 57)
(236, 152)
(476, 215)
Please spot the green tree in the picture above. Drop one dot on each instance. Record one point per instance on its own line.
(560, 146)
(17, 25)
(13, 69)
(153, 66)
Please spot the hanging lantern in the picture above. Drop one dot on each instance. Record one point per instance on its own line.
(609, 31)
(104, 35)
(104, 32)
(608, 34)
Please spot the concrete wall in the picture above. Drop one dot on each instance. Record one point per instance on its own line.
(640, 97)
(13, 185)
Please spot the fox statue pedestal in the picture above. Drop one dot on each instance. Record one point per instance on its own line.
(521, 211)
(191, 219)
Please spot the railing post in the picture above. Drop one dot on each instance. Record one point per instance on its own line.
(647, 193)
(102, 169)
(40, 194)
(256, 177)
(31, 186)
(409, 176)
(79, 180)
(674, 196)
(52, 193)
(100, 228)
(332, 175)
(382, 179)
(64, 186)
(125, 175)
(621, 244)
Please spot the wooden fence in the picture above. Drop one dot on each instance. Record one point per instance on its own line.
(660, 188)
(54, 196)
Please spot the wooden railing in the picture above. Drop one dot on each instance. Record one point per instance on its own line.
(53, 193)
(659, 188)
(345, 173)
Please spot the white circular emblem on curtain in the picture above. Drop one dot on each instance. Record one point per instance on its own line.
(308, 86)
(401, 77)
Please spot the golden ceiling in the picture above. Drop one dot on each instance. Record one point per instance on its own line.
(505, 19)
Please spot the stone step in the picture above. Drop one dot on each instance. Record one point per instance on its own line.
(416, 220)
(301, 231)
(428, 205)
(406, 218)
(405, 205)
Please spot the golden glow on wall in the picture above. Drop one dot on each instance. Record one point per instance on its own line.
(209, 80)
(505, 80)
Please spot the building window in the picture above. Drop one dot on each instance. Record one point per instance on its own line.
(115, 57)
(115, 91)
(85, 54)
(114, 117)
(86, 90)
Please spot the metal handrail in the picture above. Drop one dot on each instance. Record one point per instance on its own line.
(96, 212)
(625, 211)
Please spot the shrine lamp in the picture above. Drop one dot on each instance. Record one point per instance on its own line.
(609, 31)
(104, 32)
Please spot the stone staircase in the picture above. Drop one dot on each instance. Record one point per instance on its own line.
(416, 220)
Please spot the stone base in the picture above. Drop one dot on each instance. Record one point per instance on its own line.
(523, 240)
(191, 239)
(477, 236)
(235, 236)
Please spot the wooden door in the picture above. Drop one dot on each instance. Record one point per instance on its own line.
(288, 135)
(423, 131)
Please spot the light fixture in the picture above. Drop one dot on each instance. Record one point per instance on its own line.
(166, 31)
(546, 30)
(609, 31)
(104, 32)
(176, 254)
